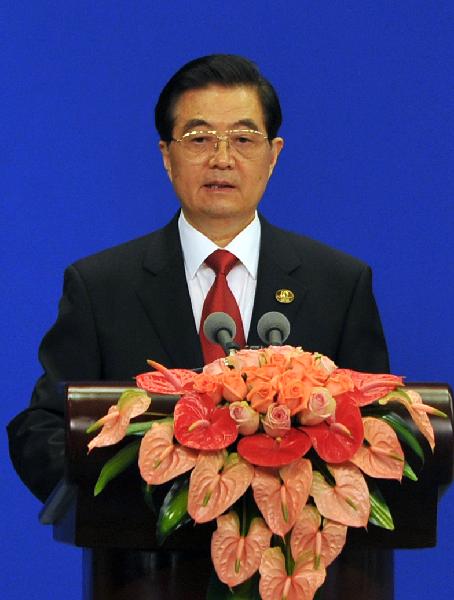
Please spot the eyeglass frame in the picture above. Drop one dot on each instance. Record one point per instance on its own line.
(220, 137)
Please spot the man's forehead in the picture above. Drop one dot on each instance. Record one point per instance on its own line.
(219, 106)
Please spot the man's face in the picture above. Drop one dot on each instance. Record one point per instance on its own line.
(224, 186)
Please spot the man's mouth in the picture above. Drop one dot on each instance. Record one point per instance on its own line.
(219, 185)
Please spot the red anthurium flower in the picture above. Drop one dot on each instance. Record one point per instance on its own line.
(347, 501)
(235, 557)
(217, 481)
(165, 381)
(308, 536)
(336, 440)
(369, 387)
(200, 424)
(277, 584)
(281, 495)
(383, 457)
(266, 451)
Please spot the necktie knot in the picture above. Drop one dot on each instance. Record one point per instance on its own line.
(221, 261)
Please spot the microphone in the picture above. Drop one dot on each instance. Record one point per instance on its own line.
(273, 328)
(220, 328)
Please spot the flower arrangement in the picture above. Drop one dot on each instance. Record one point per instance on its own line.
(280, 446)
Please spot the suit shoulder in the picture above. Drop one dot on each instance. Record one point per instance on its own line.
(312, 252)
(120, 252)
(130, 256)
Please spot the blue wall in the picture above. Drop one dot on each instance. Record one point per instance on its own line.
(367, 167)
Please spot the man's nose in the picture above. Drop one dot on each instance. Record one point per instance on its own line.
(222, 155)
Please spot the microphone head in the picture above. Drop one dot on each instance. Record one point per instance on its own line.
(217, 321)
(273, 321)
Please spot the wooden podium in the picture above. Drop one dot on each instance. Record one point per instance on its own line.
(122, 559)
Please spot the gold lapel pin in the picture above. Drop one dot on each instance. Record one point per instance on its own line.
(284, 296)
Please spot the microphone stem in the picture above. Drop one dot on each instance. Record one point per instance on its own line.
(275, 337)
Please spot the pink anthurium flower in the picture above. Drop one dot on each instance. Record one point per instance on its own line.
(161, 460)
(202, 425)
(337, 439)
(277, 584)
(165, 381)
(237, 557)
(281, 495)
(418, 411)
(383, 456)
(132, 403)
(347, 501)
(308, 536)
(217, 481)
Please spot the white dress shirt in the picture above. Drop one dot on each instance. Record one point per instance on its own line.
(242, 279)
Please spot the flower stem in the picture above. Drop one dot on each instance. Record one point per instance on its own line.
(244, 519)
(289, 562)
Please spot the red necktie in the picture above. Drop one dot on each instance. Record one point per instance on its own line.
(220, 299)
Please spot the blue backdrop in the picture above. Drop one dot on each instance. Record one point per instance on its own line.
(367, 167)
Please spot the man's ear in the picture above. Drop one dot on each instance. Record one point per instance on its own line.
(276, 146)
(164, 148)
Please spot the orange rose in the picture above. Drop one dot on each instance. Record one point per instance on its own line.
(261, 396)
(293, 392)
(339, 382)
(209, 385)
(280, 355)
(233, 386)
(256, 375)
(306, 366)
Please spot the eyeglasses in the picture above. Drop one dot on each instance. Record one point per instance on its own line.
(197, 145)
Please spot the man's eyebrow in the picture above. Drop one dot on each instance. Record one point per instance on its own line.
(193, 123)
(248, 123)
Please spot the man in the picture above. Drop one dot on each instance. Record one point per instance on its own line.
(218, 121)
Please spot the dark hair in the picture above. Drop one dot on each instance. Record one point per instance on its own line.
(228, 70)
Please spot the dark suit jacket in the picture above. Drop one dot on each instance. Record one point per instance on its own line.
(131, 302)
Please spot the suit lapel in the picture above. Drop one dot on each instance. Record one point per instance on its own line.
(164, 293)
(277, 264)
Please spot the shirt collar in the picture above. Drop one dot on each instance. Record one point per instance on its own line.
(196, 246)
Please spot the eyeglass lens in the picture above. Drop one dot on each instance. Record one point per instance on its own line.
(245, 142)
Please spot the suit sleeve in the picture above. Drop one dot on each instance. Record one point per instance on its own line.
(68, 352)
(363, 346)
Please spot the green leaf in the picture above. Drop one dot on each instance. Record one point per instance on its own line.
(404, 433)
(116, 465)
(139, 428)
(409, 473)
(143, 426)
(249, 590)
(380, 514)
(148, 497)
(94, 426)
(173, 513)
